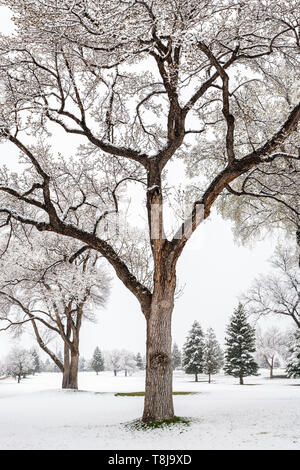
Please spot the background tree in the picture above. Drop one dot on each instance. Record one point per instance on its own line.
(139, 361)
(240, 346)
(47, 366)
(176, 357)
(193, 350)
(82, 367)
(97, 362)
(36, 361)
(19, 363)
(128, 362)
(277, 293)
(130, 86)
(114, 361)
(213, 358)
(293, 362)
(53, 295)
(270, 346)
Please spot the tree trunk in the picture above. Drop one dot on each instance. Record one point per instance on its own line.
(159, 373)
(196, 377)
(73, 374)
(209, 378)
(70, 374)
(271, 368)
(241, 381)
(115, 373)
(66, 372)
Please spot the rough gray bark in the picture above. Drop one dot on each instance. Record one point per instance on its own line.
(159, 372)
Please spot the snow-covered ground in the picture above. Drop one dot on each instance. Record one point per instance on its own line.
(36, 414)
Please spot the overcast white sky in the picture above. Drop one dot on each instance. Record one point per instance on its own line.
(213, 268)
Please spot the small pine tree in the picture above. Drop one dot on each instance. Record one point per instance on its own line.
(139, 361)
(240, 342)
(193, 351)
(97, 362)
(212, 355)
(36, 361)
(176, 357)
(293, 361)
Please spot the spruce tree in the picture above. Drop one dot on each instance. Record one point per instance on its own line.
(240, 342)
(176, 357)
(36, 361)
(293, 361)
(193, 351)
(212, 354)
(97, 362)
(139, 361)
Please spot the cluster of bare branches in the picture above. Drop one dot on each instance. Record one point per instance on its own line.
(277, 293)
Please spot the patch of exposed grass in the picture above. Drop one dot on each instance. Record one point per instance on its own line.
(159, 424)
(142, 394)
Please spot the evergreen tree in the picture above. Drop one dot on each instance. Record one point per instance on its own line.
(240, 342)
(82, 364)
(47, 365)
(36, 361)
(97, 363)
(293, 362)
(212, 354)
(139, 361)
(176, 356)
(193, 351)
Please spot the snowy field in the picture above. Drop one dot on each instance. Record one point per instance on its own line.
(36, 414)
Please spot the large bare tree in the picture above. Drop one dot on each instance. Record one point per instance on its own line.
(143, 83)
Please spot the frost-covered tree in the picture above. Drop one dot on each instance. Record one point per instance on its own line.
(19, 363)
(36, 361)
(82, 364)
(240, 346)
(139, 85)
(114, 361)
(277, 293)
(270, 347)
(139, 361)
(293, 362)
(2, 368)
(193, 350)
(53, 289)
(47, 365)
(97, 362)
(128, 362)
(213, 358)
(176, 356)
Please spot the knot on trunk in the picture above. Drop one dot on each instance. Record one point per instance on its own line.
(159, 360)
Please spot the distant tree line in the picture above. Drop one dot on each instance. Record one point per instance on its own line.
(246, 350)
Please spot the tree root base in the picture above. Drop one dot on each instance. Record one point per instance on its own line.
(140, 425)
